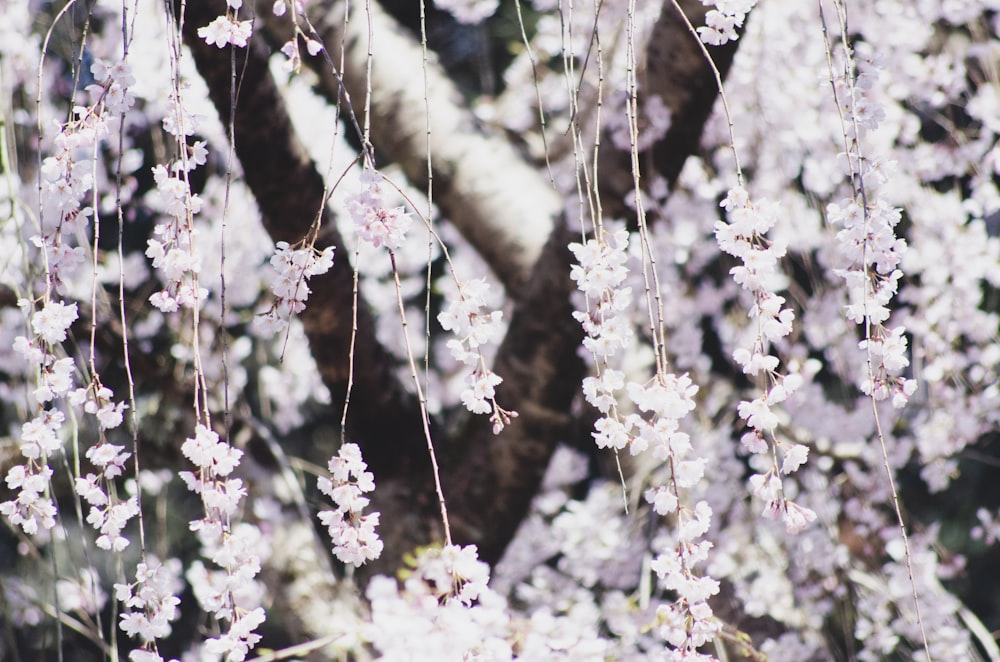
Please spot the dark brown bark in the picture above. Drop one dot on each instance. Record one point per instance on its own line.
(490, 487)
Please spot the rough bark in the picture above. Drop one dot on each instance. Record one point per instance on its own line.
(491, 480)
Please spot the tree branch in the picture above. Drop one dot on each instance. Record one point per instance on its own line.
(499, 202)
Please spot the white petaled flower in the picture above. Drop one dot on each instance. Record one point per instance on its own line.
(53, 320)
(758, 414)
(375, 222)
(663, 500)
(722, 21)
(216, 33)
(794, 456)
(313, 47)
(224, 30)
(796, 517)
(353, 534)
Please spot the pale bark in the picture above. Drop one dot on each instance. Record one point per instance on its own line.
(500, 203)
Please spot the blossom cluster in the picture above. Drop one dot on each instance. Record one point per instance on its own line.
(33, 508)
(215, 461)
(227, 29)
(599, 274)
(150, 605)
(292, 269)
(231, 594)
(473, 325)
(290, 49)
(65, 181)
(113, 86)
(376, 223)
(444, 610)
(108, 513)
(722, 21)
(867, 240)
(173, 251)
(688, 622)
(355, 540)
(744, 237)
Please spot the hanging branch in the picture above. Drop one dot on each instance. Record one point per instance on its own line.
(676, 71)
(289, 192)
(498, 476)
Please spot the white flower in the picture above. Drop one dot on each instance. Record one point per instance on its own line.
(224, 30)
(796, 517)
(758, 414)
(53, 320)
(664, 501)
(794, 457)
(609, 433)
